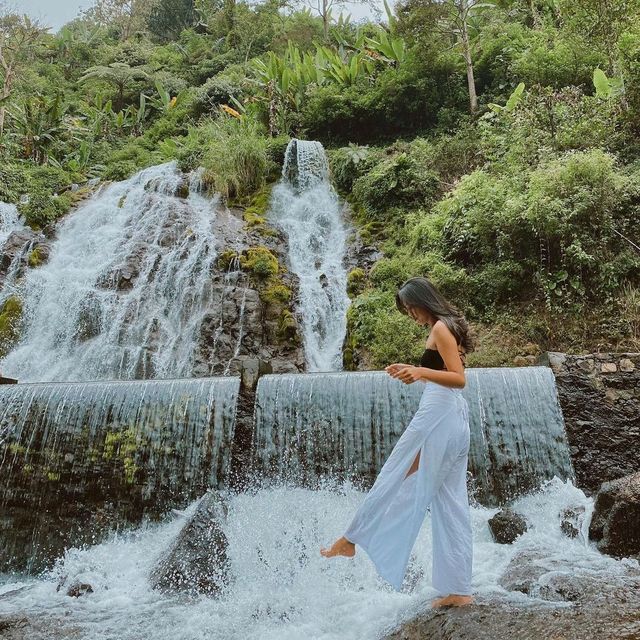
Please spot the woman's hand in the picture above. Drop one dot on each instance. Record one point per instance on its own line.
(405, 372)
(394, 369)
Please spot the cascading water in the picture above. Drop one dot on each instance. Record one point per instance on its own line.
(79, 458)
(9, 221)
(305, 206)
(9, 267)
(126, 286)
(311, 425)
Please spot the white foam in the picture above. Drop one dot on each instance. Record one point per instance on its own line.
(283, 589)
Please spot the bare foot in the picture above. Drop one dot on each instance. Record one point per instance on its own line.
(452, 600)
(341, 547)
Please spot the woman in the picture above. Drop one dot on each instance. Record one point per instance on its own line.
(428, 465)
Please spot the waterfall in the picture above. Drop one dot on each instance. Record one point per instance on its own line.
(79, 458)
(126, 286)
(324, 424)
(305, 206)
(9, 221)
(10, 267)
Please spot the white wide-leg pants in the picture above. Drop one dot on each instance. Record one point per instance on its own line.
(387, 523)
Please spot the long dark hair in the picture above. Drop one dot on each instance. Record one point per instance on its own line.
(420, 292)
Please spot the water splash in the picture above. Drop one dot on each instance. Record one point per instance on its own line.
(282, 588)
(11, 222)
(305, 206)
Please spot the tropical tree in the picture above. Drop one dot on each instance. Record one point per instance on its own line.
(119, 74)
(18, 38)
(39, 122)
(128, 16)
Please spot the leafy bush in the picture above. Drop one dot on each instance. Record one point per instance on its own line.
(554, 61)
(234, 156)
(396, 180)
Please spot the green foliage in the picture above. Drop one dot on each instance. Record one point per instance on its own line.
(234, 155)
(169, 17)
(276, 292)
(260, 261)
(574, 204)
(35, 189)
(255, 214)
(118, 74)
(393, 181)
(350, 163)
(356, 280)
(629, 47)
(555, 61)
(10, 319)
(35, 258)
(393, 102)
(38, 121)
(512, 102)
(377, 329)
(549, 233)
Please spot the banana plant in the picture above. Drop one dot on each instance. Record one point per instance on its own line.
(512, 102)
(391, 48)
(39, 122)
(165, 102)
(607, 87)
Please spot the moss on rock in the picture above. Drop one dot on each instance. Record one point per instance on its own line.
(225, 258)
(356, 279)
(260, 261)
(288, 327)
(276, 292)
(255, 214)
(35, 258)
(10, 319)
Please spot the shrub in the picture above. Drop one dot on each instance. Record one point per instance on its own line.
(234, 156)
(394, 181)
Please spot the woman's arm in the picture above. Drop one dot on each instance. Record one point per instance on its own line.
(448, 348)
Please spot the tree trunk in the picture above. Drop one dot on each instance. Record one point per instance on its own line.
(466, 52)
(6, 88)
(325, 20)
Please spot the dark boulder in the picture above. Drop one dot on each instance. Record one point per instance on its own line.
(615, 525)
(506, 526)
(197, 563)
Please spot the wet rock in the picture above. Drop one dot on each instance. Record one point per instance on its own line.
(197, 562)
(507, 525)
(89, 321)
(251, 369)
(78, 589)
(571, 521)
(615, 525)
(36, 627)
(488, 619)
(18, 247)
(572, 585)
(601, 410)
(524, 570)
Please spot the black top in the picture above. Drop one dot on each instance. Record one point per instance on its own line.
(432, 359)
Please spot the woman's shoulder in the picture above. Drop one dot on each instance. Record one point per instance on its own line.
(439, 327)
